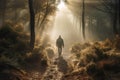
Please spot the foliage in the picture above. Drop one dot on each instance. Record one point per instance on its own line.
(96, 73)
(43, 10)
(14, 50)
(36, 60)
(99, 59)
(12, 42)
(10, 72)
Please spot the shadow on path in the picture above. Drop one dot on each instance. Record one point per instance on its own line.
(62, 65)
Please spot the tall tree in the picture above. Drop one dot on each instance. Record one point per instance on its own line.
(32, 24)
(83, 18)
(115, 16)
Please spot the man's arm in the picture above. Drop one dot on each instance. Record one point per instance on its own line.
(63, 43)
(57, 43)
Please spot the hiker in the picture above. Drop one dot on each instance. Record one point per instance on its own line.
(60, 45)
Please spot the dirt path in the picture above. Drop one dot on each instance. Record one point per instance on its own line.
(52, 72)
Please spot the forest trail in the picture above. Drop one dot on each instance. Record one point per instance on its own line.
(52, 72)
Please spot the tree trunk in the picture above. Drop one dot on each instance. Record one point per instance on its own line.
(32, 24)
(83, 19)
(4, 11)
(115, 18)
(15, 12)
(3, 17)
(119, 15)
(115, 24)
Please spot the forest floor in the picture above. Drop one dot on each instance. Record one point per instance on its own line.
(100, 65)
(89, 61)
(98, 60)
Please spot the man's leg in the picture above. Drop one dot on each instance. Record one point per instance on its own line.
(59, 51)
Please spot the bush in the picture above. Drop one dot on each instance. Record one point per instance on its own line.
(87, 53)
(36, 60)
(94, 72)
(90, 54)
(76, 48)
(12, 42)
(116, 42)
(10, 72)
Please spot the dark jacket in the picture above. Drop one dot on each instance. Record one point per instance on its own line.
(60, 42)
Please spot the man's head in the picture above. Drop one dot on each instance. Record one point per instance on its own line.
(59, 36)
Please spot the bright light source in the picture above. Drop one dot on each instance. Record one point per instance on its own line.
(61, 5)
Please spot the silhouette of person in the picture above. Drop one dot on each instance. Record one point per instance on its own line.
(60, 45)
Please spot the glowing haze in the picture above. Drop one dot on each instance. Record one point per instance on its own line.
(63, 25)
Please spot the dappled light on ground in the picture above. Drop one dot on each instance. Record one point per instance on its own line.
(56, 69)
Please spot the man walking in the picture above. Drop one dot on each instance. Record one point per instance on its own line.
(60, 45)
